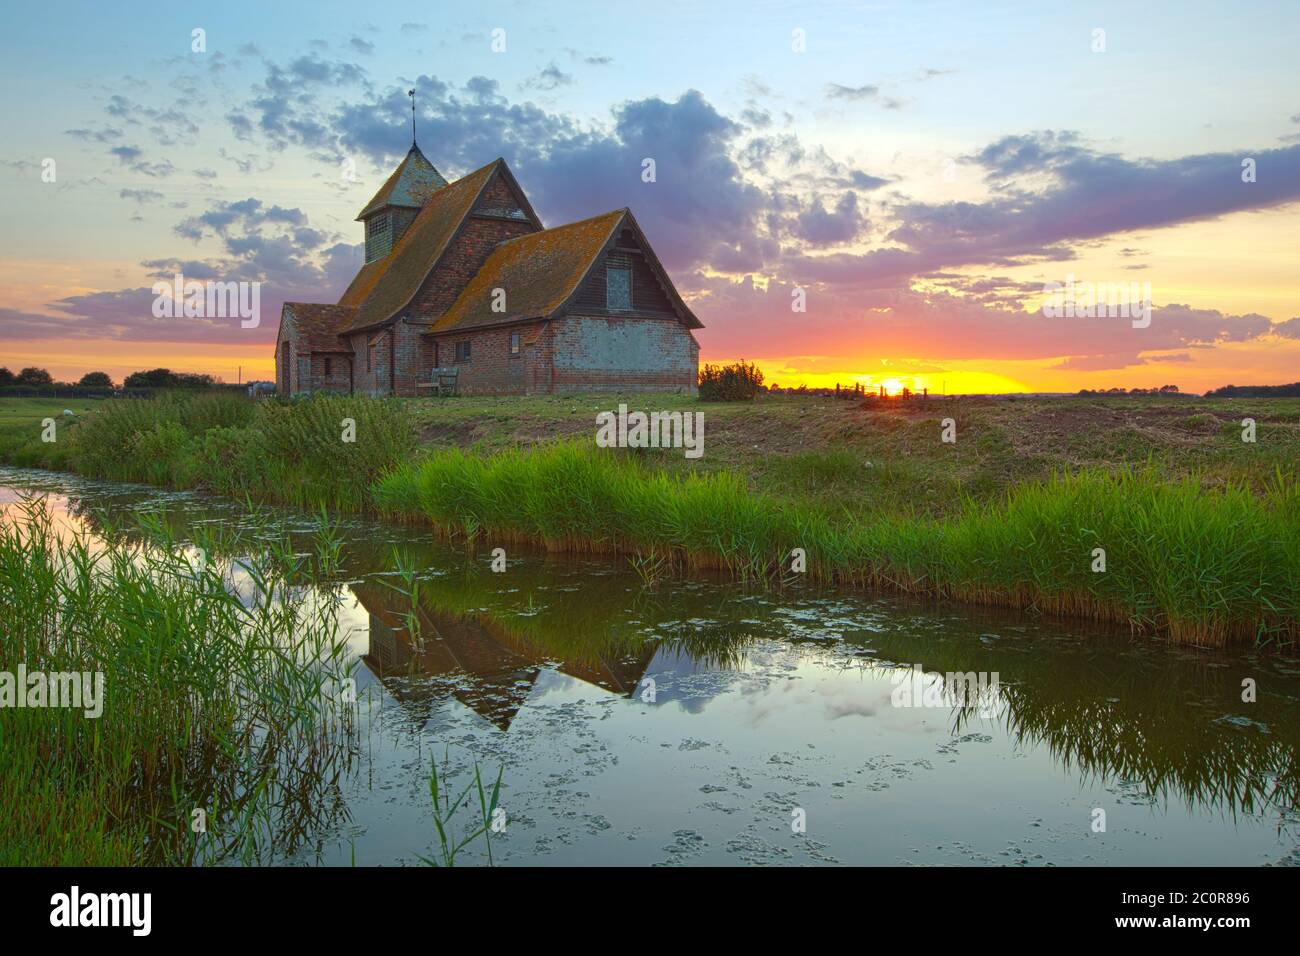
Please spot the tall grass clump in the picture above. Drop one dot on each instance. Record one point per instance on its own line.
(738, 382)
(212, 702)
(325, 449)
(329, 449)
(568, 497)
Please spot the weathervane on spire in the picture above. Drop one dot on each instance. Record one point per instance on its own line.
(411, 94)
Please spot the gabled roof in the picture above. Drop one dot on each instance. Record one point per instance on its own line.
(387, 285)
(541, 272)
(411, 184)
(320, 325)
(538, 271)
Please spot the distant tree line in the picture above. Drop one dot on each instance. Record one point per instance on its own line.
(1162, 390)
(40, 380)
(1256, 391)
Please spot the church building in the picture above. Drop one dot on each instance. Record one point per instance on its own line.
(463, 275)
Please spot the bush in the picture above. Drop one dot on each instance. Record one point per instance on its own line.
(106, 442)
(730, 383)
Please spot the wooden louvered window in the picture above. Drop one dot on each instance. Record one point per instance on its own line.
(618, 288)
(379, 236)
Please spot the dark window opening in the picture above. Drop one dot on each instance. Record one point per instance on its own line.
(462, 351)
(618, 288)
(514, 343)
(329, 365)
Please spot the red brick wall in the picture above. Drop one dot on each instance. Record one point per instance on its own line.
(286, 338)
(579, 354)
(371, 380)
(468, 251)
(409, 347)
(604, 353)
(491, 369)
(336, 380)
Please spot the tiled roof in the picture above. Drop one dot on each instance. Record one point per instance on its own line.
(387, 285)
(320, 325)
(364, 282)
(410, 185)
(538, 271)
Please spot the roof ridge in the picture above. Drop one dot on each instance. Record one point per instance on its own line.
(565, 225)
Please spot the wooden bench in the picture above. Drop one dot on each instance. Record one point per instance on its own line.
(442, 381)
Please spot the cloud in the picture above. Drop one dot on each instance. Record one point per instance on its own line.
(167, 126)
(548, 78)
(820, 226)
(1290, 329)
(141, 195)
(838, 91)
(745, 319)
(248, 216)
(260, 242)
(132, 157)
(285, 108)
(1080, 195)
(104, 134)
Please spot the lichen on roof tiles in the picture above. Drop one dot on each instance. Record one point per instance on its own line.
(538, 272)
(411, 184)
(417, 251)
(320, 325)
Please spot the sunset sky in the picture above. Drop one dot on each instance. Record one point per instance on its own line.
(921, 170)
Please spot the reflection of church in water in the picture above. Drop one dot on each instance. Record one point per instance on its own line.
(481, 663)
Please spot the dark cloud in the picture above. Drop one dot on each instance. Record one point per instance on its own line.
(104, 134)
(132, 157)
(820, 226)
(548, 78)
(167, 126)
(247, 216)
(838, 91)
(141, 195)
(285, 107)
(1083, 195)
(1290, 329)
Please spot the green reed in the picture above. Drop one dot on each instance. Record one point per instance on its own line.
(221, 732)
(1201, 565)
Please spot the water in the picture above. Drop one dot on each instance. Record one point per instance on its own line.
(696, 722)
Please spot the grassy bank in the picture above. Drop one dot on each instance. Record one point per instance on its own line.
(327, 451)
(1203, 566)
(208, 704)
(1201, 531)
